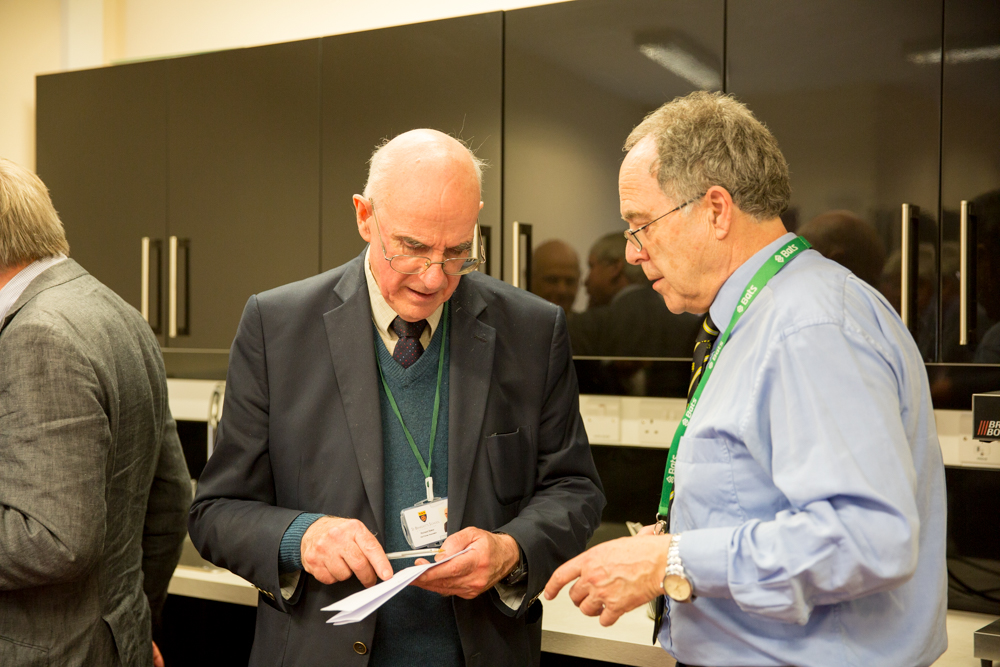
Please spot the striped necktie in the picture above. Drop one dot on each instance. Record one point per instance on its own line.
(707, 336)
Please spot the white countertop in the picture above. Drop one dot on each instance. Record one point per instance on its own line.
(565, 630)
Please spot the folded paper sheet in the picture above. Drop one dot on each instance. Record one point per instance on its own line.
(359, 606)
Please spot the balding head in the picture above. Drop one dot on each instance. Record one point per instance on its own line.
(400, 160)
(555, 273)
(422, 198)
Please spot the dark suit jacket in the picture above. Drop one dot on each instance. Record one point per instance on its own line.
(94, 490)
(301, 432)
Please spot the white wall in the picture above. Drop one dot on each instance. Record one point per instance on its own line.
(42, 36)
(30, 42)
(161, 27)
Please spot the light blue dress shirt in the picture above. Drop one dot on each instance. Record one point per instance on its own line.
(810, 485)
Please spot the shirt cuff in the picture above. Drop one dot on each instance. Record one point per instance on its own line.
(290, 551)
(512, 596)
(705, 557)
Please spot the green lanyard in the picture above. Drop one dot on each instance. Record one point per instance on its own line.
(763, 275)
(425, 467)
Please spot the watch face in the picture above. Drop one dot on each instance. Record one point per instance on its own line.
(677, 587)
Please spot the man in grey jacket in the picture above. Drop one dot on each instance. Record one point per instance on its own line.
(94, 489)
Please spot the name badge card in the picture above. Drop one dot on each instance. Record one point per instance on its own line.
(426, 523)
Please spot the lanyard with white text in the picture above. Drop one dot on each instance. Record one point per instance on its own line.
(425, 467)
(763, 275)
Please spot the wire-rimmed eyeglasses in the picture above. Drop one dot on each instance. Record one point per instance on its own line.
(416, 264)
(630, 234)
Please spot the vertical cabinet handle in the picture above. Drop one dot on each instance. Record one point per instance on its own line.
(966, 272)
(521, 229)
(174, 246)
(481, 241)
(146, 271)
(908, 269)
(144, 280)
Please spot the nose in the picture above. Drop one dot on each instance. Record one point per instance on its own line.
(633, 256)
(434, 278)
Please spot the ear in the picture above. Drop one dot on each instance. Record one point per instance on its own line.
(363, 212)
(720, 209)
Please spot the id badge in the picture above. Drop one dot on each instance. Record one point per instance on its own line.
(426, 523)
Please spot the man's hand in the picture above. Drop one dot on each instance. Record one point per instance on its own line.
(335, 549)
(157, 656)
(614, 577)
(490, 558)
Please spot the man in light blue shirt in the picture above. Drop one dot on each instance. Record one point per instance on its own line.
(808, 521)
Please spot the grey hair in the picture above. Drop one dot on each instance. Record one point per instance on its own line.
(707, 139)
(30, 228)
(611, 248)
(377, 168)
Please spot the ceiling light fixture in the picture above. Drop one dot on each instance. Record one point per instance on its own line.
(682, 63)
(956, 56)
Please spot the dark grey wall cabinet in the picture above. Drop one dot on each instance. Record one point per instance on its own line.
(238, 167)
(213, 159)
(102, 151)
(970, 183)
(242, 180)
(578, 77)
(445, 75)
(857, 115)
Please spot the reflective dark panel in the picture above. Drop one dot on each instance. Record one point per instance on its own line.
(852, 93)
(578, 77)
(970, 180)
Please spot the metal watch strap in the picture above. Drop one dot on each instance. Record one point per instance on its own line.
(675, 583)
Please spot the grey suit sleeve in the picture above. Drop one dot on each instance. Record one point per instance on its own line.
(568, 498)
(234, 520)
(165, 525)
(54, 442)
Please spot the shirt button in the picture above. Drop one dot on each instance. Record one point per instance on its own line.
(360, 648)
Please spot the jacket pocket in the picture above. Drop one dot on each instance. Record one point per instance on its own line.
(512, 465)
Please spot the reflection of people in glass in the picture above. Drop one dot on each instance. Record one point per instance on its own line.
(628, 319)
(609, 276)
(555, 273)
(890, 285)
(848, 240)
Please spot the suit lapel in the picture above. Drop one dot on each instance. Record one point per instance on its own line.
(352, 347)
(472, 347)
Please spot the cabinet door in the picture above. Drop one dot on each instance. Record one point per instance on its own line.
(855, 105)
(101, 150)
(970, 180)
(445, 75)
(579, 76)
(243, 181)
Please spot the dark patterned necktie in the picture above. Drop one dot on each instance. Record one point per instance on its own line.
(408, 348)
(707, 336)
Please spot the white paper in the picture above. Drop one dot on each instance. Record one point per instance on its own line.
(359, 606)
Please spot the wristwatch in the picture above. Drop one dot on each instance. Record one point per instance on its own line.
(520, 571)
(675, 583)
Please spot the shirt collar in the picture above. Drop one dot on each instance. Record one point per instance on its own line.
(382, 312)
(12, 291)
(724, 306)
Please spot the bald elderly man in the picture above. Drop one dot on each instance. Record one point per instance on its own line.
(401, 388)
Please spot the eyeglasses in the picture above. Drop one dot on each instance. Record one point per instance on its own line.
(630, 233)
(415, 264)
